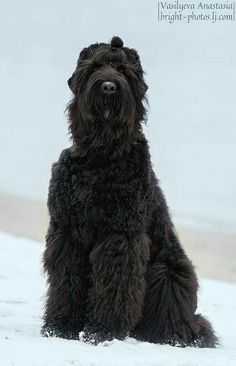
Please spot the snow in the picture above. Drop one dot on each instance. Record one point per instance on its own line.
(22, 286)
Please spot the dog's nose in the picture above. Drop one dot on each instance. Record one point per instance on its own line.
(108, 87)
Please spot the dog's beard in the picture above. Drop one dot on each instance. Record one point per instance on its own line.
(101, 110)
(107, 113)
(109, 109)
(105, 108)
(98, 107)
(100, 121)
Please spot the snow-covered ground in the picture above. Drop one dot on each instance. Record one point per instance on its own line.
(22, 287)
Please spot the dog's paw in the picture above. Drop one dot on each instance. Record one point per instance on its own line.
(58, 332)
(50, 331)
(92, 336)
(177, 341)
(89, 335)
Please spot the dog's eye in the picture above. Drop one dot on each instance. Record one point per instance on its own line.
(96, 67)
(120, 69)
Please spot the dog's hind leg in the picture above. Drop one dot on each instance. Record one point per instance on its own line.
(171, 292)
(170, 304)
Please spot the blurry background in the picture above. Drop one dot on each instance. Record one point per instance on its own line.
(190, 69)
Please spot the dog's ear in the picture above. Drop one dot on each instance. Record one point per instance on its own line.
(71, 83)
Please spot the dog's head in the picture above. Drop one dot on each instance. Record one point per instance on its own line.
(109, 95)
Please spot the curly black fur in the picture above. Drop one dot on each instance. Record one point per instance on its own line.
(114, 263)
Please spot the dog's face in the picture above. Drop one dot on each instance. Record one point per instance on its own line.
(109, 93)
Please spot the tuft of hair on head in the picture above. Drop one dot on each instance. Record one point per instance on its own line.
(116, 42)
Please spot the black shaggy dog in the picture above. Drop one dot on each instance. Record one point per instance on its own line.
(114, 263)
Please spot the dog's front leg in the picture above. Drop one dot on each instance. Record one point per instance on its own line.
(66, 268)
(117, 286)
(65, 260)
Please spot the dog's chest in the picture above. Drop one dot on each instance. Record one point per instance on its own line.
(98, 190)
